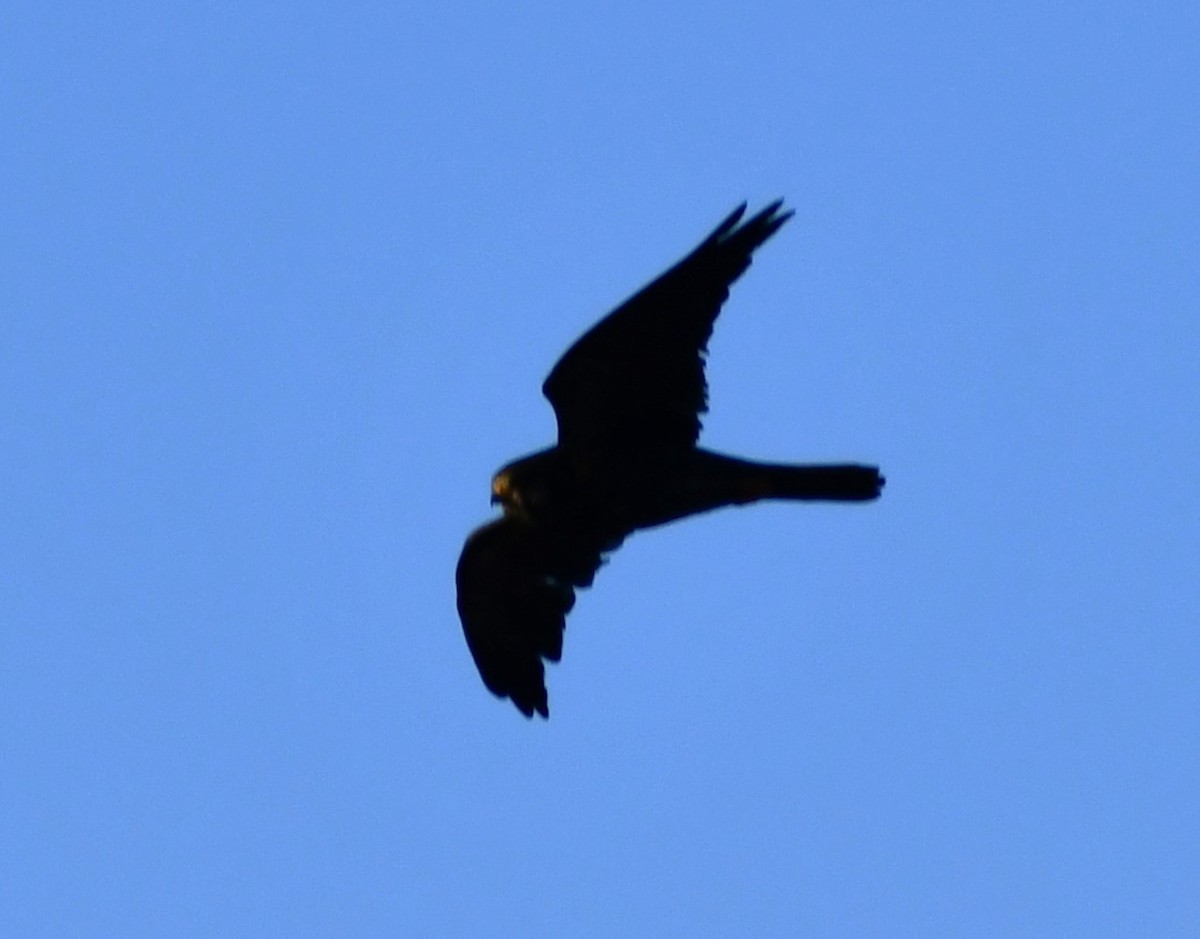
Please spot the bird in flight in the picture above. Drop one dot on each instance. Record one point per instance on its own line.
(627, 396)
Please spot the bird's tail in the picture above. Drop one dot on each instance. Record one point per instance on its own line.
(839, 482)
(750, 481)
(714, 480)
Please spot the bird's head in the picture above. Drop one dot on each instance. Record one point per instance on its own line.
(523, 487)
(504, 493)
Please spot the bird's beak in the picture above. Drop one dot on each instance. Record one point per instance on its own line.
(495, 499)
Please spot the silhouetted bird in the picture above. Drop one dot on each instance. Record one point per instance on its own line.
(628, 397)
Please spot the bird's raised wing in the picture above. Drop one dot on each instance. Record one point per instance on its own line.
(635, 380)
(516, 583)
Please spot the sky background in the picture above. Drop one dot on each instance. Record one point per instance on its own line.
(279, 284)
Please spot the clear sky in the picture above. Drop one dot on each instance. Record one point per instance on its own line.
(279, 284)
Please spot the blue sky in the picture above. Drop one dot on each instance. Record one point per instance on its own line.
(279, 285)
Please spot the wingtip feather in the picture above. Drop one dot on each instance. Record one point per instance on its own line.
(756, 229)
(728, 224)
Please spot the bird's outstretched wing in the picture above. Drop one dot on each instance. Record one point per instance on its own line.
(516, 583)
(635, 380)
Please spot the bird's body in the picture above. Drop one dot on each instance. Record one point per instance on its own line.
(628, 397)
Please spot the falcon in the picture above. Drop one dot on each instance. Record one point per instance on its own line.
(627, 396)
